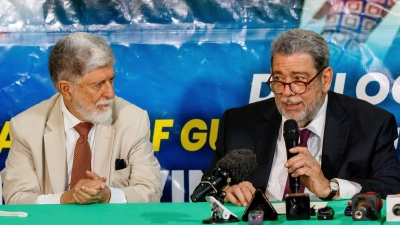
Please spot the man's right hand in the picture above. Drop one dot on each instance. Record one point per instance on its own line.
(240, 194)
(94, 185)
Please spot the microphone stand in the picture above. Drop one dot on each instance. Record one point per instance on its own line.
(297, 206)
(220, 214)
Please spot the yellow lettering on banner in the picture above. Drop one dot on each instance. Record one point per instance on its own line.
(213, 133)
(5, 132)
(159, 133)
(201, 137)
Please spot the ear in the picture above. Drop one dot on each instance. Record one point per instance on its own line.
(327, 76)
(66, 89)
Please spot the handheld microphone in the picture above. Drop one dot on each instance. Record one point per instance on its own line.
(232, 169)
(291, 136)
(297, 204)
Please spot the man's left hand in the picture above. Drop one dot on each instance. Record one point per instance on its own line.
(87, 193)
(309, 170)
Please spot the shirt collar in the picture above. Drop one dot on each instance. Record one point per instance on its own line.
(70, 121)
(318, 123)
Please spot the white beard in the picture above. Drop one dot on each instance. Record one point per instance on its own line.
(92, 114)
(307, 115)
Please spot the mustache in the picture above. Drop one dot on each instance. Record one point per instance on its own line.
(107, 102)
(290, 100)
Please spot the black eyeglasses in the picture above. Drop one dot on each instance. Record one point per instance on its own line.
(297, 87)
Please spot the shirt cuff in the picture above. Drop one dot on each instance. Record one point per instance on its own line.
(49, 199)
(347, 189)
(117, 196)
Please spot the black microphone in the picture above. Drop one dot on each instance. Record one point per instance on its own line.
(231, 170)
(291, 136)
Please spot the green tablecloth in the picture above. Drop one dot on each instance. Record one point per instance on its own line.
(150, 213)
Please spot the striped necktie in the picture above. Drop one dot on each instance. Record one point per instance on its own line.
(82, 154)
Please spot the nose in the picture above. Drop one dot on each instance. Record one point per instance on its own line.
(287, 91)
(109, 90)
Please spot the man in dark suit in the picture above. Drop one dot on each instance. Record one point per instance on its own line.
(350, 148)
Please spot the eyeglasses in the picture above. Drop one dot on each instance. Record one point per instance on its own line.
(297, 87)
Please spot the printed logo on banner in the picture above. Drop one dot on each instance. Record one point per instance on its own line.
(362, 92)
(5, 136)
(193, 136)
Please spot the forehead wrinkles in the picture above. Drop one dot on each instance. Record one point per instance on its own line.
(305, 74)
(296, 61)
(279, 72)
(99, 75)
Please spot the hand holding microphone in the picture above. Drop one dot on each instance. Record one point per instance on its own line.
(302, 164)
(297, 203)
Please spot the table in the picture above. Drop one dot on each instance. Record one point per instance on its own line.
(151, 213)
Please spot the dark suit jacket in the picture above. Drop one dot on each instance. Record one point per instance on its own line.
(358, 142)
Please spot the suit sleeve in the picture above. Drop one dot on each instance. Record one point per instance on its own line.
(385, 167)
(144, 179)
(21, 185)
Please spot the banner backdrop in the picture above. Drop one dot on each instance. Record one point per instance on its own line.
(186, 62)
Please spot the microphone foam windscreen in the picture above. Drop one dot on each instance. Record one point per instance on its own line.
(240, 162)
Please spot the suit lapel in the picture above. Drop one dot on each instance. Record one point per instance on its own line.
(268, 130)
(55, 152)
(104, 141)
(336, 128)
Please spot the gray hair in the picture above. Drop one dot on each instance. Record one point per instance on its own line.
(77, 54)
(302, 41)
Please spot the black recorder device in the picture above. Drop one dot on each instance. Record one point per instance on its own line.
(259, 209)
(366, 206)
(297, 206)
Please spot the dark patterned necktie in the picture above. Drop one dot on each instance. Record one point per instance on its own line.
(82, 154)
(304, 135)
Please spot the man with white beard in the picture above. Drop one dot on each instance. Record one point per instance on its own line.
(83, 145)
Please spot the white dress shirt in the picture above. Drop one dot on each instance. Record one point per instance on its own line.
(71, 136)
(279, 173)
